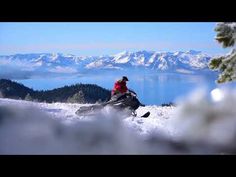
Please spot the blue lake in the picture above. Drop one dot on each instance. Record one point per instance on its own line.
(152, 89)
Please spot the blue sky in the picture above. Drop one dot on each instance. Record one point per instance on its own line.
(107, 38)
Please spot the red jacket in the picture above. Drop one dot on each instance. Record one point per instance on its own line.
(119, 87)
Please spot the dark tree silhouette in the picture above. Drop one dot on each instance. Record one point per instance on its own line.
(78, 93)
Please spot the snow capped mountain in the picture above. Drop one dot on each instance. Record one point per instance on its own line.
(158, 61)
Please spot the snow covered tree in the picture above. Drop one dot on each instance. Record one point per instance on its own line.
(28, 97)
(77, 98)
(1, 95)
(226, 35)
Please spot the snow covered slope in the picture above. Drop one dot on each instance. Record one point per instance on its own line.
(65, 112)
(41, 128)
(196, 126)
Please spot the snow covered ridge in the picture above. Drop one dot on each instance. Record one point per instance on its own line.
(159, 61)
(197, 125)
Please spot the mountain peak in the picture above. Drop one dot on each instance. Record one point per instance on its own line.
(125, 52)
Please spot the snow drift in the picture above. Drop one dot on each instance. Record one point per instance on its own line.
(197, 125)
(28, 130)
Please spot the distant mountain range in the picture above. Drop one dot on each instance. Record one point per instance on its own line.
(180, 62)
(158, 61)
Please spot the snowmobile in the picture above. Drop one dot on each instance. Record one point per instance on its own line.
(128, 102)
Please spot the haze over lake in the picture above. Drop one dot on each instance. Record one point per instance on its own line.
(152, 88)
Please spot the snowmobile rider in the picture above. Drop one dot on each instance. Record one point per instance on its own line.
(120, 90)
(120, 86)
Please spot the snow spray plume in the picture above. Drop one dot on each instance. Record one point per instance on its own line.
(201, 128)
(208, 121)
(27, 130)
(30, 131)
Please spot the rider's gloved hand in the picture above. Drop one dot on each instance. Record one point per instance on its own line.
(128, 93)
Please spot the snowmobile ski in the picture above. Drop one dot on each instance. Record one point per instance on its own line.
(146, 115)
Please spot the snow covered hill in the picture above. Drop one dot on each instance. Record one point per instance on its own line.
(65, 112)
(41, 128)
(195, 126)
(187, 62)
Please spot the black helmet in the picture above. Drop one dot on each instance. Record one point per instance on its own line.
(125, 78)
